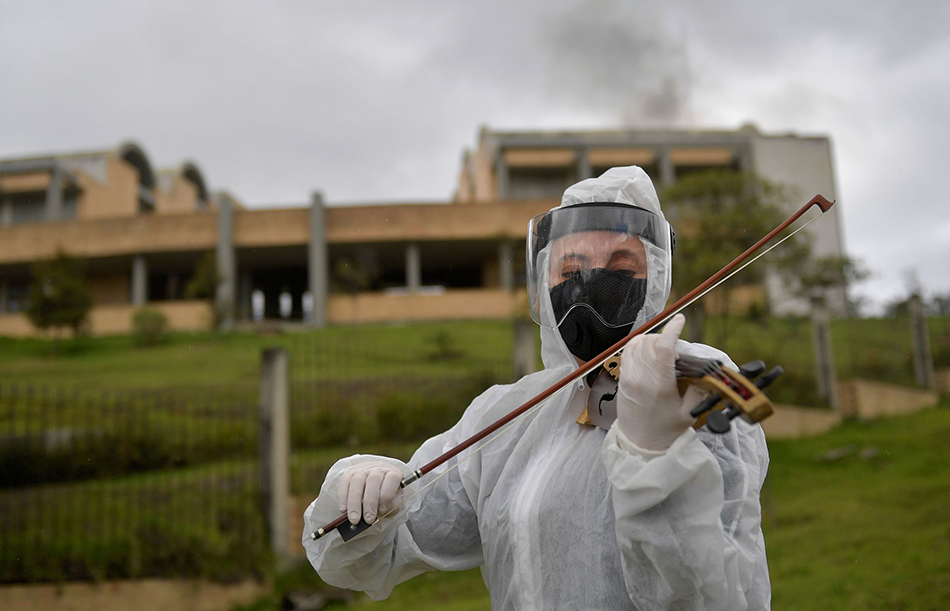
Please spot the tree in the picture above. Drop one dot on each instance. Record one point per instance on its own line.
(354, 277)
(940, 305)
(204, 283)
(817, 275)
(718, 215)
(59, 298)
(351, 277)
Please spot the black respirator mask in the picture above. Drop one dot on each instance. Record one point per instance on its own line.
(615, 295)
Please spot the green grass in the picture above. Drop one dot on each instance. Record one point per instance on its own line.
(867, 532)
(844, 530)
(223, 360)
(345, 357)
(191, 522)
(463, 591)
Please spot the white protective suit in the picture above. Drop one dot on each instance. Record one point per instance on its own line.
(564, 516)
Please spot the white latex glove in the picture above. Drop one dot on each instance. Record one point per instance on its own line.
(650, 411)
(368, 490)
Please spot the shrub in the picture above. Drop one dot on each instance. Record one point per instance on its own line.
(941, 351)
(443, 347)
(149, 327)
(412, 417)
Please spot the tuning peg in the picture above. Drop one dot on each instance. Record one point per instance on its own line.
(769, 377)
(705, 405)
(752, 369)
(719, 421)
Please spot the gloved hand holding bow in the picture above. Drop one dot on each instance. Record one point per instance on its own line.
(650, 411)
(369, 490)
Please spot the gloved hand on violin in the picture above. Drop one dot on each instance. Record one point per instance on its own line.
(650, 411)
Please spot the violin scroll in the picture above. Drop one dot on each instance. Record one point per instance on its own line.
(733, 395)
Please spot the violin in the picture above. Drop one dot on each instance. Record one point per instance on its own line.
(731, 394)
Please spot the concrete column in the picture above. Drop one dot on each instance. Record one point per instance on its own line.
(6, 212)
(667, 171)
(3, 297)
(501, 177)
(923, 357)
(318, 260)
(525, 347)
(582, 165)
(413, 268)
(824, 357)
(506, 266)
(275, 448)
(54, 196)
(226, 263)
(139, 281)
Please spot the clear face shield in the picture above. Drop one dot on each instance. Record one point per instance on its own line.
(594, 270)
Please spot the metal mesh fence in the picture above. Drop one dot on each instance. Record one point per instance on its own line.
(787, 342)
(128, 484)
(874, 348)
(384, 389)
(878, 349)
(113, 484)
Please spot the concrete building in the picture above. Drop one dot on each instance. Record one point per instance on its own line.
(143, 232)
(516, 165)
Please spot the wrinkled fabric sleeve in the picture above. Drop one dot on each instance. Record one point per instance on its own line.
(688, 520)
(435, 530)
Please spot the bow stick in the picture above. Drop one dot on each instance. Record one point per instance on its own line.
(723, 274)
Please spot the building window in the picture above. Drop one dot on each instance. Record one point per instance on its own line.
(18, 295)
(538, 183)
(28, 207)
(652, 171)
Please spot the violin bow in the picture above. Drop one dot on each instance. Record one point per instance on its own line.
(351, 530)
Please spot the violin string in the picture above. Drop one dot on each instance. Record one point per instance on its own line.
(601, 362)
(723, 279)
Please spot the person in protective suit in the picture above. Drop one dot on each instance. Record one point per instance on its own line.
(640, 511)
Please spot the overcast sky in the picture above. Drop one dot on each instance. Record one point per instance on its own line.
(375, 101)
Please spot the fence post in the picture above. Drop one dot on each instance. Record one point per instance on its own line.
(824, 356)
(275, 448)
(525, 347)
(923, 358)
